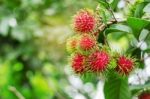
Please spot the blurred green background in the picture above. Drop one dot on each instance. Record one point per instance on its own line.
(33, 59)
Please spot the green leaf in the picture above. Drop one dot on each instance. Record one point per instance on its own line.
(137, 25)
(116, 88)
(147, 8)
(139, 10)
(118, 28)
(104, 3)
(89, 77)
(143, 35)
(114, 4)
(141, 64)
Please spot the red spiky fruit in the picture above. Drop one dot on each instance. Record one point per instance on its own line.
(98, 61)
(144, 96)
(87, 42)
(71, 44)
(125, 65)
(78, 63)
(84, 21)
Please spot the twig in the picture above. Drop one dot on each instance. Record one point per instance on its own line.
(103, 26)
(111, 11)
(16, 92)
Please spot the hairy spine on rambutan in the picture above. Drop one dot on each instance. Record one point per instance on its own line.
(98, 61)
(84, 21)
(78, 63)
(125, 65)
(87, 42)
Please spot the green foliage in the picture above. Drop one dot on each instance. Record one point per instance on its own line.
(118, 28)
(137, 25)
(139, 10)
(114, 4)
(116, 87)
(135, 28)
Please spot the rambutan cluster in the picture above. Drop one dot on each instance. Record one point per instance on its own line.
(87, 55)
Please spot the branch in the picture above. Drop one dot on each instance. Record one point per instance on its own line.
(16, 92)
(104, 26)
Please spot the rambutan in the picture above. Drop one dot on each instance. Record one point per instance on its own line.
(124, 65)
(78, 63)
(144, 96)
(71, 44)
(98, 61)
(87, 42)
(84, 21)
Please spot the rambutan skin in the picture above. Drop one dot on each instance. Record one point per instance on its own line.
(144, 96)
(98, 61)
(87, 42)
(84, 21)
(78, 63)
(124, 65)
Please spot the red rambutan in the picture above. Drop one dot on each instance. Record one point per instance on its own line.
(87, 42)
(78, 63)
(144, 96)
(125, 65)
(84, 21)
(98, 61)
